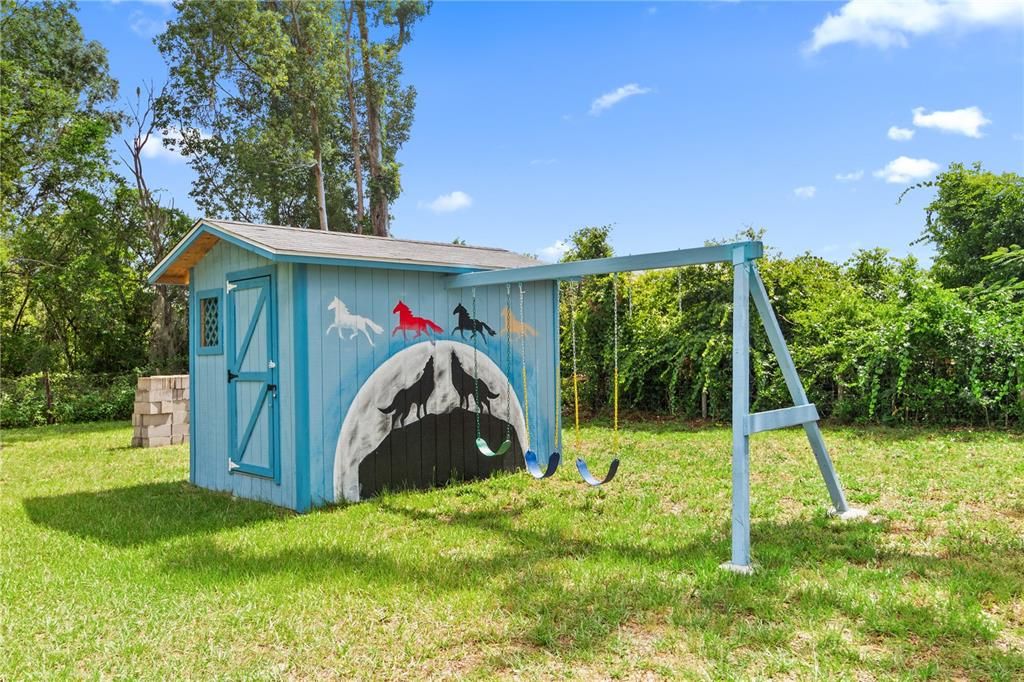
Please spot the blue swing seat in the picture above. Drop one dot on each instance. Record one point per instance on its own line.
(590, 478)
(533, 464)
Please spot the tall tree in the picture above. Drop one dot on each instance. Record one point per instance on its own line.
(974, 214)
(54, 164)
(264, 102)
(253, 96)
(389, 105)
(54, 120)
(160, 228)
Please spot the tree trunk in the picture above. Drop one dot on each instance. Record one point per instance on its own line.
(353, 117)
(318, 168)
(378, 198)
(49, 397)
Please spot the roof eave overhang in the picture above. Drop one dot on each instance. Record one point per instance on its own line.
(164, 272)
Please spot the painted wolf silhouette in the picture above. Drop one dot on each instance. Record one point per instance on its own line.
(417, 395)
(343, 319)
(510, 325)
(467, 323)
(407, 322)
(463, 382)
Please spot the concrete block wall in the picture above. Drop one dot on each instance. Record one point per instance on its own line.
(161, 411)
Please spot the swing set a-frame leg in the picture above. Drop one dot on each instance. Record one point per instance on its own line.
(747, 284)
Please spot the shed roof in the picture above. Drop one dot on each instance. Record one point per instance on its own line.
(298, 245)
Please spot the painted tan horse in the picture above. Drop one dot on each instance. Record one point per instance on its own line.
(510, 325)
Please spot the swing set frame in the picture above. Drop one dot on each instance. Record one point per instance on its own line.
(747, 285)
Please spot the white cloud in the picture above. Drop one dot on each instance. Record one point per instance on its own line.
(850, 177)
(610, 99)
(806, 192)
(447, 203)
(145, 26)
(555, 251)
(905, 169)
(1017, 137)
(964, 121)
(652, 9)
(888, 23)
(155, 149)
(900, 134)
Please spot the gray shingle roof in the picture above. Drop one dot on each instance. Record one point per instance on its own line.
(296, 243)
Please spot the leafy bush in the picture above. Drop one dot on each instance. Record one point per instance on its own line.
(876, 339)
(74, 398)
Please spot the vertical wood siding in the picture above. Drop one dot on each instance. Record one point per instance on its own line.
(339, 367)
(209, 382)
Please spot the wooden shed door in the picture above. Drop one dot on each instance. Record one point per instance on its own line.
(252, 377)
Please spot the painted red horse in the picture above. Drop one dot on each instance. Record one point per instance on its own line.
(407, 322)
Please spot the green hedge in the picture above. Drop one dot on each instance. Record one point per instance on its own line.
(74, 398)
(876, 340)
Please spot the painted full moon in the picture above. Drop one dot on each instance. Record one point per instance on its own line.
(365, 426)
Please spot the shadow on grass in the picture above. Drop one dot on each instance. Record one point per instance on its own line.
(574, 592)
(145, 514)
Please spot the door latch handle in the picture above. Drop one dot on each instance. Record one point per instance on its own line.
(273, 389)
(231, 376)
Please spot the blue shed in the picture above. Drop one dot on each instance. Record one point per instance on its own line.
(326, 367)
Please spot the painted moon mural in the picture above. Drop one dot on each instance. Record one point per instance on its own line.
(366, 424)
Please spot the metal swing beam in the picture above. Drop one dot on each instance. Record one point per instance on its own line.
(747, 284)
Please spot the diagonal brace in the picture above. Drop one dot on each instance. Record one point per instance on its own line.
(796, 390)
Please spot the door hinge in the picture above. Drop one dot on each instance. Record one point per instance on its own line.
(228, 286)
(231, 376)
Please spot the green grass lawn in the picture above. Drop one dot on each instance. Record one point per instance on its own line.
(112, 565)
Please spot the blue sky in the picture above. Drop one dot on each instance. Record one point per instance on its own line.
(676, 122)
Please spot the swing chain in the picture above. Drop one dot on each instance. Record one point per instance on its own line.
(573, 300)
(476, 370)
(615, 357)
(508, 367)
(522, 348)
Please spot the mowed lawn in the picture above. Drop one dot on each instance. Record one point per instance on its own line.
(112, 565)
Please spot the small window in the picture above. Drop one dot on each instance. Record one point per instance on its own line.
(209, 323)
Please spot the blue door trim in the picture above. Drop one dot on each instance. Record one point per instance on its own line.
(264, 279)
(300, 309)
(193, 343)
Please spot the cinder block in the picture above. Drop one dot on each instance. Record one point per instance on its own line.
(156, 419)
(154, 395)
(157, 441)
(179, 429)
(149, 407)
(136, 441)
(158, 431)
(176, 439)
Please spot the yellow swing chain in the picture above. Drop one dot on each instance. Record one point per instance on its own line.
(575, 371)
(615, 356)
(522, 348)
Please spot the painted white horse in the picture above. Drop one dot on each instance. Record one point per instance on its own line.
(343, 319)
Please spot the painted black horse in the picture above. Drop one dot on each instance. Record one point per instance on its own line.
(463, 383)
(468, 324)
(417, 395)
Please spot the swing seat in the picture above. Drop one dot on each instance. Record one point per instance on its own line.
(533, 464)
(486, 451)
(593, 480)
